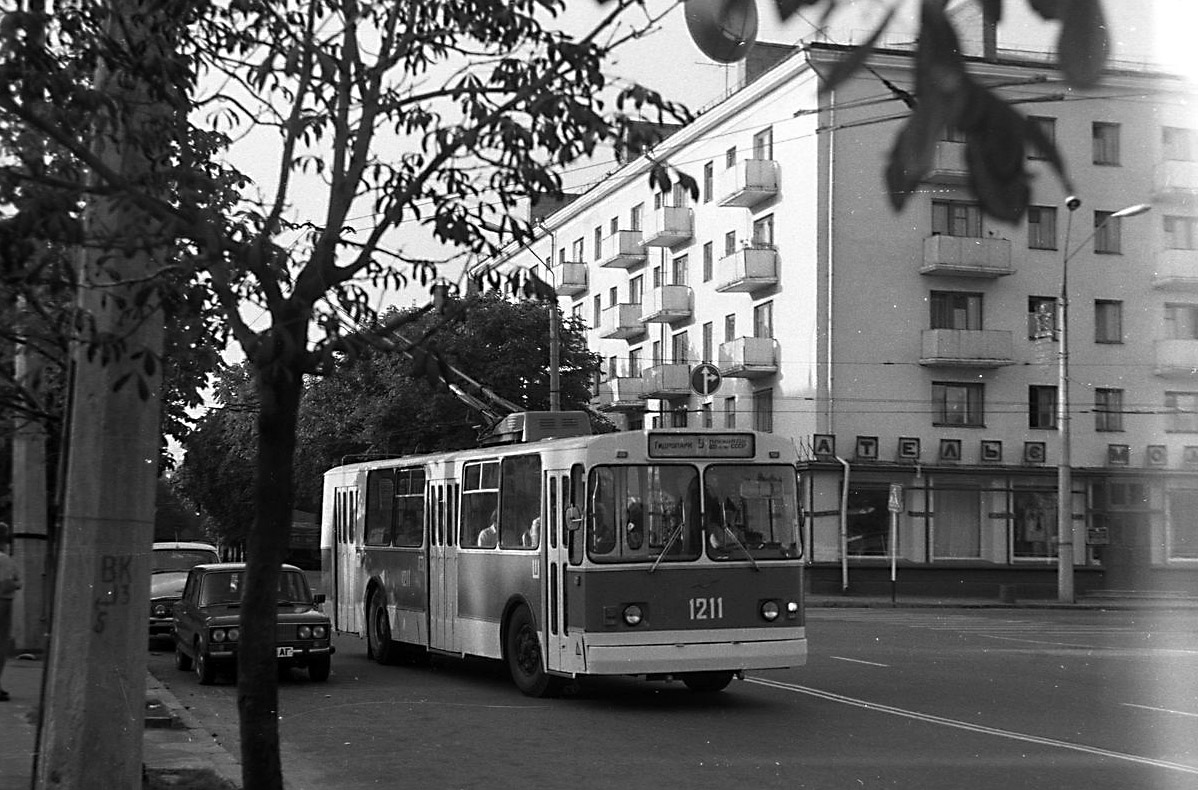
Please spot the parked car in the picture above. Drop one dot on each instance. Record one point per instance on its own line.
(207, 622)
(169, 563)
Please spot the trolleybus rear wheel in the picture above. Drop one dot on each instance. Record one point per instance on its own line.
(523, 651)
(707, 681)
(378, 630)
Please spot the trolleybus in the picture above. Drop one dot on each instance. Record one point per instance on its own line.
(665, 554)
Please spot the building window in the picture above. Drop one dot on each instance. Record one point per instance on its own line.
(615, 226)
(1048, 129)
(612, 369)
(707, 342)
(955, 218)
(1181, 321)
(729, 327)
(1178, 145)
(1180, 233)
(1041, 317)
(730, 243)
(678, 348)
(636, 289)
(1182, 521)
(659, 200)
(730, 412)
(678, 416)
(680, 266)
(956, 310)
(634, 363)
(958, 404)
(655, 350)
(656, 276)
(1107, 235)
(957, 523)
(1108, 321)
(705, 408)
(763, 411)
(577, 251)
(598, 243)
(680, 196)
(1041, 228)
(763, 144)
(598, 310)
(708, 261)
(637, 216)
(613, 296)
(1181, 409)
(763, 231)
(763, 320)
(561, 256)
(1041, 407)
(1108, 410)
(1106, 143)
(730, 157)
(708, 181)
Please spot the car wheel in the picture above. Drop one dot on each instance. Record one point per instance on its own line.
(378, 631)
(707, 681)
(182, 660)
(318, 669)
(523, 653)
(205, 673)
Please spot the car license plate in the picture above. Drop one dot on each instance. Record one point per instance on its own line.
(284, 652)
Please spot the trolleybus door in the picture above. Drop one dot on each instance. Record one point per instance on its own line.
(348, 558)
(443, 567)
(557, 539)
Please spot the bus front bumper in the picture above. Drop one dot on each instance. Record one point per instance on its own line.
(666, 652)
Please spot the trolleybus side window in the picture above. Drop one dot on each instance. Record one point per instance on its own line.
(576, 502)
(380, 500)
(520, 502)
(409, 510)
(480, 504)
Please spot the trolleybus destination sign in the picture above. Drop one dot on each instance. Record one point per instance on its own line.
(701, 445)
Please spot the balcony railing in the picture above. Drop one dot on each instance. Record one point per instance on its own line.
(948, 164)
(1175, 180)
(622, 250)
(620, 322)
(966, 348)
(748, 357)
(966, 256)
(670, 380)
(669, 226)
(748, 183)
(571, 279)
(1177, 359)
(666, 304)
(1176, 270)
(624, 393)
(747, 270)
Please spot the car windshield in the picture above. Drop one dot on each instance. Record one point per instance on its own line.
(181, 559)
(226, 588)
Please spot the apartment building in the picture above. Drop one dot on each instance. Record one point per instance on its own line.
(917, 349)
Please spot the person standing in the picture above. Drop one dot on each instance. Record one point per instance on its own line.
(10, 582)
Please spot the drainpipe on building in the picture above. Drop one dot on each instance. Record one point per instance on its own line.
(844, 527)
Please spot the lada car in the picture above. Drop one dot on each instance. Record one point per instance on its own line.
(207, 622)
(169, 563)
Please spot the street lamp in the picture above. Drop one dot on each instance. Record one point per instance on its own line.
(1065, 465)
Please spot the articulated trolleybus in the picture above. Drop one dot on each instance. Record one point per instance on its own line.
(662, 554)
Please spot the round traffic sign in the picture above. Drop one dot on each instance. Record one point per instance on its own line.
(705, 378)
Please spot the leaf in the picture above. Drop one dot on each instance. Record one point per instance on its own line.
(857, 56)
(995, 153)
(1083, 47)
(788, 8)
(1047, 9)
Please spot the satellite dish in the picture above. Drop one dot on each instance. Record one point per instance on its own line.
(723, 30)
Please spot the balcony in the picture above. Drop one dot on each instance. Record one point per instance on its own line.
(1177, 359)
(748, 183)
(620, 322)
(966, 348)
(1175, 180)
(668, 381)
(948, 164)
(1176, 270)
(669, 226)
(666, 304)
(622, 250)
(747, 270)
(748, 357)
(966, 256)
(571, 279)
(624, 393)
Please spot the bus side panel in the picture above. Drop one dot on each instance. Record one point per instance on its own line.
(402, 573)
(487, 581)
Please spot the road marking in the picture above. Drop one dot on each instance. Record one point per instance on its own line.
(1127, 649)
(1161, 710)
(859, 661)
(978, 728)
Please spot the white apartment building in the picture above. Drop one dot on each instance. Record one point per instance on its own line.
(917, 348)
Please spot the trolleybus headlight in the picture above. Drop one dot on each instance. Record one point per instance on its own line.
(770, 610)
(792, 610)
(632, 614)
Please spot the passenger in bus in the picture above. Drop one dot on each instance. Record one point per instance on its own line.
(489, 537)
(634, 529)
(532, 537)
(603, 530)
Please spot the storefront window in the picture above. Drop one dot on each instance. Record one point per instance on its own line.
(1183, 525)
(1035, 525)
(957, 523)
(868, 522)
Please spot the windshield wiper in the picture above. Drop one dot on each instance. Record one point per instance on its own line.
(673, 537)
(743, 548)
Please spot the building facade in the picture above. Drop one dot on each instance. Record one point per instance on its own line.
(919, 348)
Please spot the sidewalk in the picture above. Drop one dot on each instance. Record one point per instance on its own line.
(178, 752)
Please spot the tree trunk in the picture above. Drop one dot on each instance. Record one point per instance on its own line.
(280, 387)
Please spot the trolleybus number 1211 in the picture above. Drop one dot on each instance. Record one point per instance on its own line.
(707, 608)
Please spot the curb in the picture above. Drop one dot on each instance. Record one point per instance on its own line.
(214, 757)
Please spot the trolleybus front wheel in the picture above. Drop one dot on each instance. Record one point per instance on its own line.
(378, 631)
(524, 657)
(707, 681)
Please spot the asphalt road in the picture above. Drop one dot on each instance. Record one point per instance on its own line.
(891, 698)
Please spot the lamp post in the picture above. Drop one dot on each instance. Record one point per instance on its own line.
(1065, 592)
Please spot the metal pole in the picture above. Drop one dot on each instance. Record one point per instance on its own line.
(1065, 460)
(555, 378)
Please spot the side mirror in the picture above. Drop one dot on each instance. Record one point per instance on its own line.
(573, 518)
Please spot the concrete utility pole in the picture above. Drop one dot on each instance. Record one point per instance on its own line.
(93, 711)
(29, 515)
